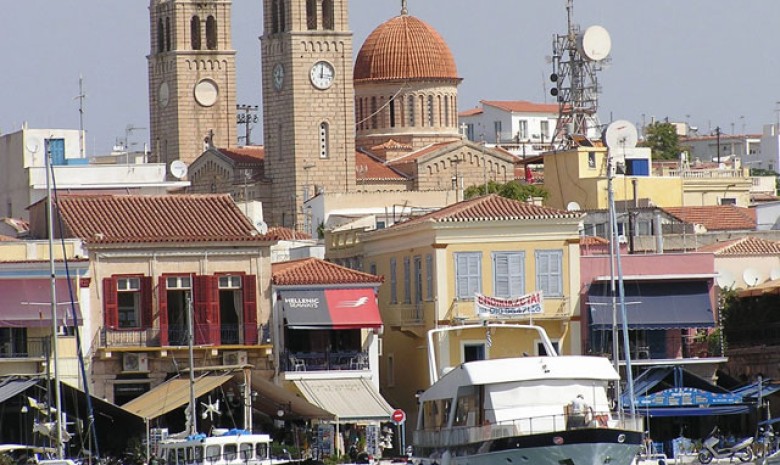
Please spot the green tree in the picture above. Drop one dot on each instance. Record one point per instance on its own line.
(512, 190)
(663, 140)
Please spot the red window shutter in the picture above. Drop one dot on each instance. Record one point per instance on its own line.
(162, 297)
(250, 309)
(146, 303)
(110, 304)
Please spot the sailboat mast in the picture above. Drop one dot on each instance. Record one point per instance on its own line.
(52, 277)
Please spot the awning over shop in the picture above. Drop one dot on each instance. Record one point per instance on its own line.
(331, 308)
(654, 305)
(11, 387)
(26, 303)
(351, 399)
(272, 399)
(171, 395)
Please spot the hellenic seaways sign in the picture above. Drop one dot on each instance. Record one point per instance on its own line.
(529, 304)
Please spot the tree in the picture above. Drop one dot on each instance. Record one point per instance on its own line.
(663, 140)
(512, 190)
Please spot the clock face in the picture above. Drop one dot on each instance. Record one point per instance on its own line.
(278, 75)
(322, 74)
(163, 95)
(206, 92)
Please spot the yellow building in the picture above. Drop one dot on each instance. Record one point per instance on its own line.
(434, 265)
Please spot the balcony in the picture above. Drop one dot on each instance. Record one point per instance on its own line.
(129, 337)
(177, 336)
(34, 348)
(324, 361)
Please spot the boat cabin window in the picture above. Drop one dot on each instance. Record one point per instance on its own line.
(436, 413)
(172, 457)
(246, 451)
(261, 450)
(212, 453)
(231, 452)
(188, 451)
(197, 453)
(180, 455)
(467, 408)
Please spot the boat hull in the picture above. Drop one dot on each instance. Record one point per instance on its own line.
(590, 446)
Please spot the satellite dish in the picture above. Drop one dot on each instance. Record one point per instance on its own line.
(178, 169)
(774, 274)
(595, 43)
(752, 277)
(261, 227)
(620, 134)
(725, 279)
(33, 144)
(573, 207)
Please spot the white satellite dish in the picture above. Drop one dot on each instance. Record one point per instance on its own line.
(573, 207)
(595, 43)
(32, 144)
(178, 169)
(774, 274)
(725, 279)
(752, 277)
(621, 134)
(262, 227)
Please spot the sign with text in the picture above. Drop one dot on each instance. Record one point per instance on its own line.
(517, 307)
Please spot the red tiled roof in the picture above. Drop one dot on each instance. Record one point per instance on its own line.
(375, 169)
(522, 106)
(471, 112)
(744, 246)
(162, 218)
(716, 217)
(286, 234)
(404, 47)
(489, 208)
(411, 156)
(247, 154)
(593, 240)
(313, 271)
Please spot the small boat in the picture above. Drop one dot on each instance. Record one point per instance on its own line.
(232, 447)
(519, 410)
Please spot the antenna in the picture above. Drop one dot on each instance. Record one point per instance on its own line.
(725, 279)
(752, 277)
(178, 169)
(80, 98)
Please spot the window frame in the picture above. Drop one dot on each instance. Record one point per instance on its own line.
(550, 256)
(474, 281)
(515, 279)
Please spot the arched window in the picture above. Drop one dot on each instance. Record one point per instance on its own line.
(446, 110)
(328, 22)
(374, 115)
(211, 33)
(392, 112)
(282, 16)
(195, 32)
(324, 140)
(410, 110)
(422, 110)
(274, 16)
(311, 14)
(160, 36)
(168, 33)
(430, 110)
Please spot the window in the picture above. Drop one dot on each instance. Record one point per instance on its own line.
(168, 34)
(522, 130)
(211, 33)
(245, 451)
(274, 16)
(508, 274)
(429, 277)
(497, 130)
(392, 112)
(473, 351)
(728, 201)
(160, 36)
(549, 272)
(407, 280)
(55, 148)
(470, 131)
(311, 14)
(390, 370)
(178, 282)
(468, 274)
(195, 32)
(393, 281)
(418, 291)
(374, 114)
(372, 269)
(261, 450)
(540, 350)
(591, 160)
(129, 301)
(230, 282)
(282, 16)
(324, 140)
(545, 125)
(430, 110)
(328, 22)
(446, 110)
(410, 110)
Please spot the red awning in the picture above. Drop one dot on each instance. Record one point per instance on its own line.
(26, 303)
(353, 308)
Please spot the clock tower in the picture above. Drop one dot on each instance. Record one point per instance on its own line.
(308, 103)
(192, 96)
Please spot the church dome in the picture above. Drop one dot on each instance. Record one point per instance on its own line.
(404, 48)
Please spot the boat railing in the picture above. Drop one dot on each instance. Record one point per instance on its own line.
(521, 427)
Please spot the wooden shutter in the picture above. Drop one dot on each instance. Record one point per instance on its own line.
(201, 308)
(215, 320)
(249, 288)
(146, 303)
(162, 297)
(110, 304)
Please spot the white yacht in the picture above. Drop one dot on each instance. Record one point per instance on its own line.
(519, 411)
(234, 447)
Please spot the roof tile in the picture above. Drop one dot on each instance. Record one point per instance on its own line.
(744, 246)
(313, 271)
(717, 217)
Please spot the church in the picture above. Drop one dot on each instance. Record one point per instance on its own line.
(385, 122)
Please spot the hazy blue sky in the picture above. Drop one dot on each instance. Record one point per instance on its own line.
(714, 63)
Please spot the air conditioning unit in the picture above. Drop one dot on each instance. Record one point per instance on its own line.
(135, 362)
(237, 357)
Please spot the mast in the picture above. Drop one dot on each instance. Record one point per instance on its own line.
(55, 350)
(193, 422)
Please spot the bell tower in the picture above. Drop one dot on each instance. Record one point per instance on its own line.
(308, 103)
(192, 96)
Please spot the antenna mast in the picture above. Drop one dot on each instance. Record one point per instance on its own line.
(80, 98)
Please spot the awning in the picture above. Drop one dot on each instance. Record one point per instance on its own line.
(331, 308)
(272, 399)
(26, 303)
(171, 395)
(12, 387)
(694, 411)
(350, 399)
(654, 305)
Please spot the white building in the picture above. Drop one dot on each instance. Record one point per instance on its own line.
(769, 158)
(523, 128)
(23, 172)
(747, 148)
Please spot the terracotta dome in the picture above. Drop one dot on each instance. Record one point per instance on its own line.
(404, 48)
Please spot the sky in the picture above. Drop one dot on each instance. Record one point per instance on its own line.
(708, 63)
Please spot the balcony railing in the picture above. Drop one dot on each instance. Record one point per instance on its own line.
(34, 348)
(177, 336)
(519, 427)
(129, 337)
(325, 361)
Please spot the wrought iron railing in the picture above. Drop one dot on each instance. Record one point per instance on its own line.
(324, 361)
(31, 348)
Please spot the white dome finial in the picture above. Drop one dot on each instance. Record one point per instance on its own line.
(404, 9)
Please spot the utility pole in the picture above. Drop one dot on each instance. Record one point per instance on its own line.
(247, 118)
(717, 141)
